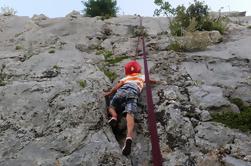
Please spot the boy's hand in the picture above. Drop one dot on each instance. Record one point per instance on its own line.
(158, 82)
(163, 82)
(107, 94)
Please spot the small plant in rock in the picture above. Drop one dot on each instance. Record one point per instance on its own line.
(55, 67)
(51, 51)
(104, 8)
(18, 47)
(7, 11)
(249, 27)
(235, 120)
(19, 34)
(28, 55)
(3, 76)
(140, 31)
(110, 59)
(136, 31)
(82, 83)
(175, 46)
(110, 74)
(106, 31)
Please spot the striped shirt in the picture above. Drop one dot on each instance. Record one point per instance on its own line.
(137, 79)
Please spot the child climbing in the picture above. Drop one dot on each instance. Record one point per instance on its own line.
(126, 92)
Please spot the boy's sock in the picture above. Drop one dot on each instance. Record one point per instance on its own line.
(113, 122)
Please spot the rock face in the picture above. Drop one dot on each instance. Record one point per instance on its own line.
(53, 73)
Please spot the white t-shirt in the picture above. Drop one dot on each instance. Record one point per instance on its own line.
(137, 79)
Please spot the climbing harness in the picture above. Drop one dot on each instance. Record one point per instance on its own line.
(156, 154)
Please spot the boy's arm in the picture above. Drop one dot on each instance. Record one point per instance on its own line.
(157, 82)
(114, 89)
(153, 81)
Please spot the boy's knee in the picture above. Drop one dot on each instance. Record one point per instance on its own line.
(130, 114)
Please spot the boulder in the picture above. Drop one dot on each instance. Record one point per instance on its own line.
(243, 93)
(207, 96)
(210, 135)
(73, 14)
(38, 18)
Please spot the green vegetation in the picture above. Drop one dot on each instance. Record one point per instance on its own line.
(55, 67)
(194, 18)
(249, 27)
(110, 59)
(136, 30)
(51, 51)
(175, 46)
(104, 8)
(110, 74)
(7, 11)
(82, 83)
(18, 47)
(3, 76)
(140, 31)
(235, 120)
(28, 55)
(18, 34)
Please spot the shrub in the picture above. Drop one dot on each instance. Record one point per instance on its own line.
(165, 8)
(8, 11)
(195, 17)
(104, 8)
(217, 24)
(240, 120)
(176, 28)
(199, 11)
(175, 46)
(249, 27)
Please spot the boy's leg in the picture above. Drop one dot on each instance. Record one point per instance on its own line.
(113, 120)
(126, 150)
(130, 124)
(131, 109)
(113, 112)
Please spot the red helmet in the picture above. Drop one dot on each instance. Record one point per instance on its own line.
(132, 67)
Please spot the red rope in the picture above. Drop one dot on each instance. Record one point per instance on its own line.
(156, 154)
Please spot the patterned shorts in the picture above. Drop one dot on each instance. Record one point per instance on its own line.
(126, 99)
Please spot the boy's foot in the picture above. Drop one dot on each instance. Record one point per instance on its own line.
(127, 147)
(113, 122)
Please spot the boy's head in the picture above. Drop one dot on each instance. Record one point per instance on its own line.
(132, 67)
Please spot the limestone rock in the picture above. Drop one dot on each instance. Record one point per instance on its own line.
(52, 109)
(73, 14)
(210, 136)
(207, 96)
(38, 18)
(205, 116)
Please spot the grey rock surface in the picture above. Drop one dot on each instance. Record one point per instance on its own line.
(207, 96)
(53, 73)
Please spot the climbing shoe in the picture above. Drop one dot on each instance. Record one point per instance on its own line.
(126, 150)
(113, 122)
